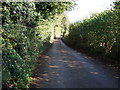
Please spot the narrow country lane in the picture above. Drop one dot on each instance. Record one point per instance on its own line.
(63, 67)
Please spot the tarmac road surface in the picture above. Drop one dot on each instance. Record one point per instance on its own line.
(63, 67)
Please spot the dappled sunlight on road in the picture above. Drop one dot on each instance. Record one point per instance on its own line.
(63, 67)
(53, 66)
(46, 57)
(94, 72)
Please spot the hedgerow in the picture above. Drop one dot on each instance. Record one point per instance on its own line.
(26, 32)
(98, 35)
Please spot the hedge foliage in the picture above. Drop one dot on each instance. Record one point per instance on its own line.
(99, 35)
(26, 32)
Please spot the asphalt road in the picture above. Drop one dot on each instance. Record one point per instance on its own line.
(63, 67)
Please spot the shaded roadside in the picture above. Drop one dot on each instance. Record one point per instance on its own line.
(62, 67)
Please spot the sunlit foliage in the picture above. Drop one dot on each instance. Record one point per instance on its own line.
(26, 32)
(99, 35)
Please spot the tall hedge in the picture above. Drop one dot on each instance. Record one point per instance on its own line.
(98, 35)
(26, 33)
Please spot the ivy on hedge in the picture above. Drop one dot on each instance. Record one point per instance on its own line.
(25, 34)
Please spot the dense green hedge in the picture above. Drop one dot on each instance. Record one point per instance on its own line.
(25, 34)
(15, 55)
(99, 35)
(19, 54)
